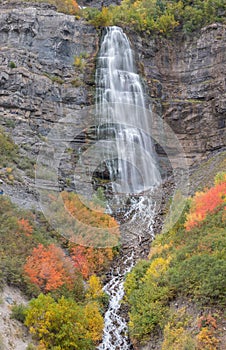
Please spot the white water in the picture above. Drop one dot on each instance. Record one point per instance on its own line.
(115, 335)
(122, 117)
(128, 155)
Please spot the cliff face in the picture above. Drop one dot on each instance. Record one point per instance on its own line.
(186, 78)
(47, 66)
(39, 83)
(46, 73)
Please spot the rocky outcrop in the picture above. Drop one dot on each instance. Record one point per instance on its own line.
(47, 72)
(98, 3)
(186, 79)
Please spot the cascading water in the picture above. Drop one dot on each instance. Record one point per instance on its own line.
(123, 125)
(122, 116)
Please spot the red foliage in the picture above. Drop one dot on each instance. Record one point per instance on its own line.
(204, 203)
(49, 268)
(89, 260)
(207, 321)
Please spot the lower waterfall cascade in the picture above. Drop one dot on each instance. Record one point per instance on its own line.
(124, 126)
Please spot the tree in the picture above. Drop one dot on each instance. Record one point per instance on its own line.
(49, 268)
(64, 324)
(90, 260)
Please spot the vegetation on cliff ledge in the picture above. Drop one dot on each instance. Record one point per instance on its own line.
(160, 16)
(186, 270)
(150, 16)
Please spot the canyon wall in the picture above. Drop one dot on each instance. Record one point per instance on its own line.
(47, 72)
(186, 80)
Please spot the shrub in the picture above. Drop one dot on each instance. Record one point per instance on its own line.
(19, 312)
(159, 16)
(64, 324)
(51, 270)
(12, 64)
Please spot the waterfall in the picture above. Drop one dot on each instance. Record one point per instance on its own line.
(128, 157)
(122, 118)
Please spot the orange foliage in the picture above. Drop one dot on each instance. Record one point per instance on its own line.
(206, 339)
(90, 260)
(204, 203)
(67, 6)
(49, 268)
(90, 215)
(25, 227)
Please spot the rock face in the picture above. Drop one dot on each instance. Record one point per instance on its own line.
(47, 66)
(46, 72)
(186, 79)
(98, 3)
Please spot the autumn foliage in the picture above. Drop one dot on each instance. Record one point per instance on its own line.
(84, 222)
(90, 260)
(49, 268)
(25, 227)
(64, 324)
(68, 6)
(204, 203)
(89, 214)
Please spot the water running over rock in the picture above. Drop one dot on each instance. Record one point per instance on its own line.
(123, 125)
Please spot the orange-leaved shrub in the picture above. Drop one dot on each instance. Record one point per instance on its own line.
(89, 260)
(204, 203)
(49, 268)
(25, 227)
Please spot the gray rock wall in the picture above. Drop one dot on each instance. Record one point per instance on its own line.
(186, 79)
(39, 83)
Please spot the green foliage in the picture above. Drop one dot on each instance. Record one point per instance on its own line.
(80, 61)
(19, 312)
(182, 264)
(99, 198)
(18, 237)
(159, 16)
(95, 292)
(54, 78)
(148, 299)
(200, 276)
(31, 347)
(12, 64)
(10, 158)
(64, 324)
(220, 178)
(9, 151)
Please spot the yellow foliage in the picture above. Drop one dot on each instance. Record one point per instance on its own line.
(158, 249)
(95, 321)
(206, 339)
(157, 268)
(94, 290)
(177, 338)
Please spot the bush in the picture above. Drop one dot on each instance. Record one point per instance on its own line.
(19, 312)
(64, 324)
(12, 64)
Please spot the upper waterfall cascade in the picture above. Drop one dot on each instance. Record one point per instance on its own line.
(122, 118)
(124, 128)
